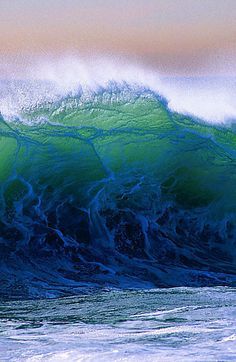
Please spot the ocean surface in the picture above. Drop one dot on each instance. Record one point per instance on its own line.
(117, 216)
(179, 324)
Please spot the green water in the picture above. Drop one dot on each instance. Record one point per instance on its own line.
(111, 187)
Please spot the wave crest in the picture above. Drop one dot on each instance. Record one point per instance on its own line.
(46, 80)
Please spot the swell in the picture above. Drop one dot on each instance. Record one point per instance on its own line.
(114, 189)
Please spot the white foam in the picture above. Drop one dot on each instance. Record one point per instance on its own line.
(211, 99)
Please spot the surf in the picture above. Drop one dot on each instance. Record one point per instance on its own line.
(103, 183)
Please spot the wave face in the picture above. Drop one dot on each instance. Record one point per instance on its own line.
(112, 188)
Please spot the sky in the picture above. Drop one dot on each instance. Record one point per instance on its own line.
(180, 37)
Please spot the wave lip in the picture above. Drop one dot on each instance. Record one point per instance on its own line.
(47, 79)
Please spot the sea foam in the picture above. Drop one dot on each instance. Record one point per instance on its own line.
(45, 79)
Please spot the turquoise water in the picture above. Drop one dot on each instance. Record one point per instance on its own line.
(117, 227)
(112, 188)
(179, 324)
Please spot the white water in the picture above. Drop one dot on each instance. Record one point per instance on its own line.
(161, 325)
(211, 99)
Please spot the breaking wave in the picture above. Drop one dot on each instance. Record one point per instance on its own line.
(105, 185)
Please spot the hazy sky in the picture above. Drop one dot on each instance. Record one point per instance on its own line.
(176, 36)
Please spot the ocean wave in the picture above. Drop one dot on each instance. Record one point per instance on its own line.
(110, 187)
(34, 81)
